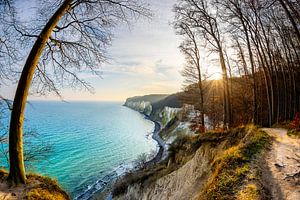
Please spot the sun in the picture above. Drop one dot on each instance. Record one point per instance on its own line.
(215, 76)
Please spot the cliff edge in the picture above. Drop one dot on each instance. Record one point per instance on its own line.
(37, 187)
(214, 165)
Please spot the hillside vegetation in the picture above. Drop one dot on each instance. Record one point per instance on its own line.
(37, 188)
(214, 165)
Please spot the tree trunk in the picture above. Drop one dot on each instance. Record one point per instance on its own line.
(201, 101)
(16, 158)
(200, 84)
(227, 103)
(254, 100)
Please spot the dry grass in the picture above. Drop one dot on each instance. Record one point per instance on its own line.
(37, 188)
(250, 192)
(233, 169)
(45, 188)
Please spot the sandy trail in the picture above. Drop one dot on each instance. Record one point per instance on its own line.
(283, 163)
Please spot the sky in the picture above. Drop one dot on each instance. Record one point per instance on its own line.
(145, 59)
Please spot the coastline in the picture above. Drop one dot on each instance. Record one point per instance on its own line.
(162, 152)
(106, 194)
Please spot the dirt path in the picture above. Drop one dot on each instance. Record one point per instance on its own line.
(283, 166)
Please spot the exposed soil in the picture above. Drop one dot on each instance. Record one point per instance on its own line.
(7, 193)
(282, 167)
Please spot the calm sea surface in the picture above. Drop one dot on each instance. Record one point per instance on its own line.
(92, 142)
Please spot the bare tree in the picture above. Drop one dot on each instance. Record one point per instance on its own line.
(72, 39)
(290, 9)
(197, 15)
(192, 71)
(8, 50)
(234, 16)
(261, 40)
(33, 152)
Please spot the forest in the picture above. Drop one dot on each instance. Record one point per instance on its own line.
(256, 44)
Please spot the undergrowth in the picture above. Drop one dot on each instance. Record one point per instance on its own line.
(232, 171)
(44, 188)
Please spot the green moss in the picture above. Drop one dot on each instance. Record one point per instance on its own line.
(255, 143)
(232, 168)
(43, 187)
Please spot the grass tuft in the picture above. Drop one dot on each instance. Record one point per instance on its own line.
(232, 168)
(45, 188)
(250, 192)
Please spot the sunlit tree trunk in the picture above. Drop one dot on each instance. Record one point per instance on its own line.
(201, 97)
(227, 102)
(197, 55)
(17, 169)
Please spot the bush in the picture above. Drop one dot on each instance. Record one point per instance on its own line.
(296, 122)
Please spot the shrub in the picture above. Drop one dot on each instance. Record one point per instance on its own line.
(296, 122)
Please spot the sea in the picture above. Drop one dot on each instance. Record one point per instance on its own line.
(91, 143)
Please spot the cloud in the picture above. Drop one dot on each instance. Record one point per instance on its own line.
(145, 59)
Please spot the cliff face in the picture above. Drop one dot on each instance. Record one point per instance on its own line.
(183, 183)
(214, 165)
(144, 107)
(156, 106)
(211, 165)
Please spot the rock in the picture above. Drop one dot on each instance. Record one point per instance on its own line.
(279, 165)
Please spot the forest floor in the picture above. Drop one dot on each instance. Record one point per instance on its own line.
(282, 170)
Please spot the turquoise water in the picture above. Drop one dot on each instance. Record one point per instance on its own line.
(92, 142)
